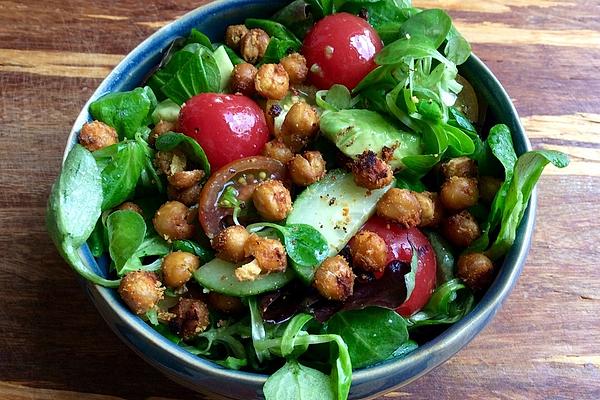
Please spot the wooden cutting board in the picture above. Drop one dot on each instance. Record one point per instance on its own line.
(544, 343)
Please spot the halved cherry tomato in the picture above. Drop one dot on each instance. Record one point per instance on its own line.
(341, 49)
(399, 242)
(228, 127)
(243, 175)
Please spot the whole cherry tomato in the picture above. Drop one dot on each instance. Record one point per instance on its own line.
(399, 241)
(227, 127)
(340, 49)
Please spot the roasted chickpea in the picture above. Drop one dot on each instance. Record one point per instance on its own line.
(97, 135)
(272, 200)
(300, 125)
(476, 270)
(242, 79)
(268, 253)
(234, 34)
(458, 193)
(185, 179)
(170, 162)
(253, 45)
(229, 243)
(171, 221)
(141, 291)
(191, 318)
(401, 206)
(177, 268)
(370, 171)
(462, 167)
(160, 129)
(271, 81)
(431, 209)
(188, 196)
(334, 279)
(295, 65)
(461, 229)
(225, 304)
(488, 187)
(130, 206)
(307, 168)
(369, 251)
(278, 150)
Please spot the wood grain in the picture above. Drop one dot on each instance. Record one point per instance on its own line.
(543, 344)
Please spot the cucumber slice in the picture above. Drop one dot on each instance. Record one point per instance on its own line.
(218, 275)
(166, 110)
(299, 93)
(336, 207)
(225, 66)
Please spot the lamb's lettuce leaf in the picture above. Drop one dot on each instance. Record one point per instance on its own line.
(127, 112)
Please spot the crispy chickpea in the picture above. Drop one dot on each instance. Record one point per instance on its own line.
(229, 243)
(226, 304)
(369, 251)
(130, 206)
(431, 209)
(242, 79)
(272, 200)
(191, 318)
(141, 291)
(463, 167)
(307, 168)
(295, 65)
(253, 45)
(185, 179)
(370, 171)
(460, 229)
(171, 221)
(300, 125)
(160, 129)
(488, 187)
(476, 270)
(234, 34)
(268, 253)
(458, 193)
(334, 279)
(272, 82)
(97, 135)
(401, 206)
(188, 196)
(170, 162)
(177, 268)
(278, 150)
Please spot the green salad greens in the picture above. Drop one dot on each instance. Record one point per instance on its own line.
(312, 193)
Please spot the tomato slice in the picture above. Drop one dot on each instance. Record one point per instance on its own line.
(399, 241)
(243, 175)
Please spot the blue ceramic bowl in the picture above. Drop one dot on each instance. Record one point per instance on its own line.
(202, 375)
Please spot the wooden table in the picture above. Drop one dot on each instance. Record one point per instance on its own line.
(544, 344)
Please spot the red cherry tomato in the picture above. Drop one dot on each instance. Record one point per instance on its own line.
(341, 49)
(399, 242)
(228, 127)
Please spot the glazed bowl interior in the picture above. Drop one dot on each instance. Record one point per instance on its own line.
(204, 376)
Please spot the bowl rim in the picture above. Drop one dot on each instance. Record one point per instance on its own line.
(455, 337)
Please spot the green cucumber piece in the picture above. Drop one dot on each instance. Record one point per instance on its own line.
(300, 93)
(225, 66)
(218, 275)
(336, 207)
(166, 110)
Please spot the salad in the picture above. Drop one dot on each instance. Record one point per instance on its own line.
(318, 192)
